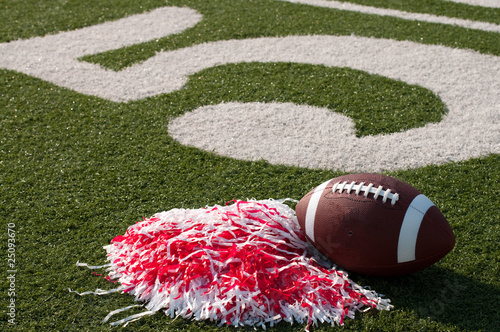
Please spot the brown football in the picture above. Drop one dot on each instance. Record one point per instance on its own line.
(374, 224)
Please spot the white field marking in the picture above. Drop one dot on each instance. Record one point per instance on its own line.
(485, 26)
(466, 81)
(54, 58)
(483, 3)
(312, 206)
(409, 229)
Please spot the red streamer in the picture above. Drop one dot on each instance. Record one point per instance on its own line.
(246, 263)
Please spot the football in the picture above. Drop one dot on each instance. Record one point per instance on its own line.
(374, 224)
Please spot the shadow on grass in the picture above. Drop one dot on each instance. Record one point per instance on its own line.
(443, 296)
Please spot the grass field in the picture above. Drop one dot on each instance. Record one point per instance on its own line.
(76, 170)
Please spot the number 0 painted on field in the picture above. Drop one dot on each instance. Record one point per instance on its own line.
(466, 81)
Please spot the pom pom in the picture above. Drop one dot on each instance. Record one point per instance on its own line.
(246, 263)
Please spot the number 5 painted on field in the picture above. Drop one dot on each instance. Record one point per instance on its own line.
(466, 81)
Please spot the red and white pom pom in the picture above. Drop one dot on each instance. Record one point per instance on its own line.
(243, 264)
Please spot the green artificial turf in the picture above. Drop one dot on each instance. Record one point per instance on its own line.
(232, 19)
(76, 170)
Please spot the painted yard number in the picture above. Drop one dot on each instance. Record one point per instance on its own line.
(466, 81)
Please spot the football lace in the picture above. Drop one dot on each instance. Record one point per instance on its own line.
(367, 189)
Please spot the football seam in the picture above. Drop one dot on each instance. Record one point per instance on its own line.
(447, 230)
(419, 210)
(362, 199)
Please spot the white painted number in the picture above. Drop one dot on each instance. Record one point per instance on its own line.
(466, 81)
